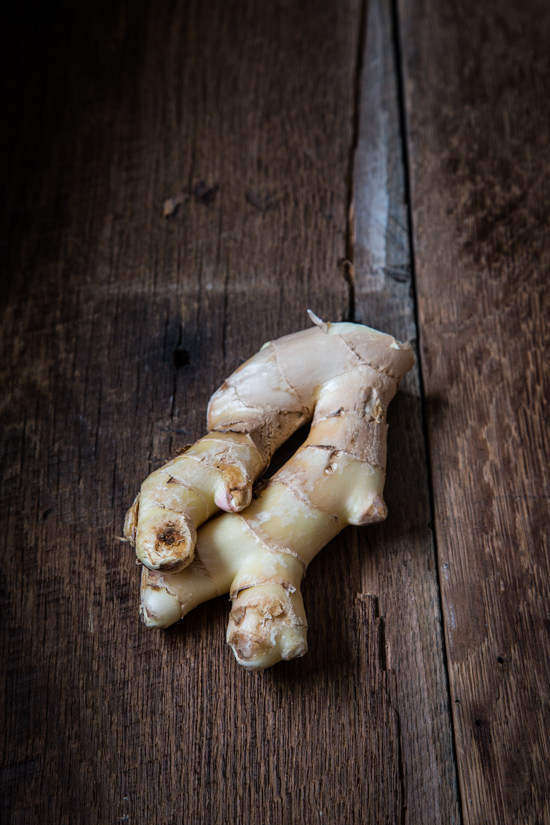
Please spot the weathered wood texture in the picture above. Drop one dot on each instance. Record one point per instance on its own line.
(477, 78)
(244, 115)
(400, 571)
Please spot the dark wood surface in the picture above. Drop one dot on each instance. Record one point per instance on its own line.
(478, 113)
(183, 180)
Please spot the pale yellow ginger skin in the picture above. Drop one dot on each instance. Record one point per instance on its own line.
(344, 375)
(216, 472)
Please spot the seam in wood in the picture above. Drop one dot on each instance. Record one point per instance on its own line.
(404, 132)
(349, 270)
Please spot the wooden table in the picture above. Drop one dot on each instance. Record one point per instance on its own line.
(182, 181)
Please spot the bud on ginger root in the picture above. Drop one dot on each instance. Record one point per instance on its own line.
(344, 375)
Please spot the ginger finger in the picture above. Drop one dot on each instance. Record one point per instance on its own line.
(216, 472)
(336, 478)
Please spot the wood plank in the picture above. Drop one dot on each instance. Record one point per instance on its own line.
(242, 115)
(478, 112)
(242, 119)
(398, 557)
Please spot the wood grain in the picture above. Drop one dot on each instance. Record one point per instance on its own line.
(400, 570)
(179, 184)
(476, 79)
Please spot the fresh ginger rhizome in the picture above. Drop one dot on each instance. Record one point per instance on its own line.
(342, 378)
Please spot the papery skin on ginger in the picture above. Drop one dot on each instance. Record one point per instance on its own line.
(343, 376)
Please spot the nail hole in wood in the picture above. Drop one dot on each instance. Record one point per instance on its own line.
(204, 193)
(181, 357)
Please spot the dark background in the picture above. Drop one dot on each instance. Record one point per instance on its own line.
(384, 163)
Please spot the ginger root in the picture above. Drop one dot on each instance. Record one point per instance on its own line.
(344, 375)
